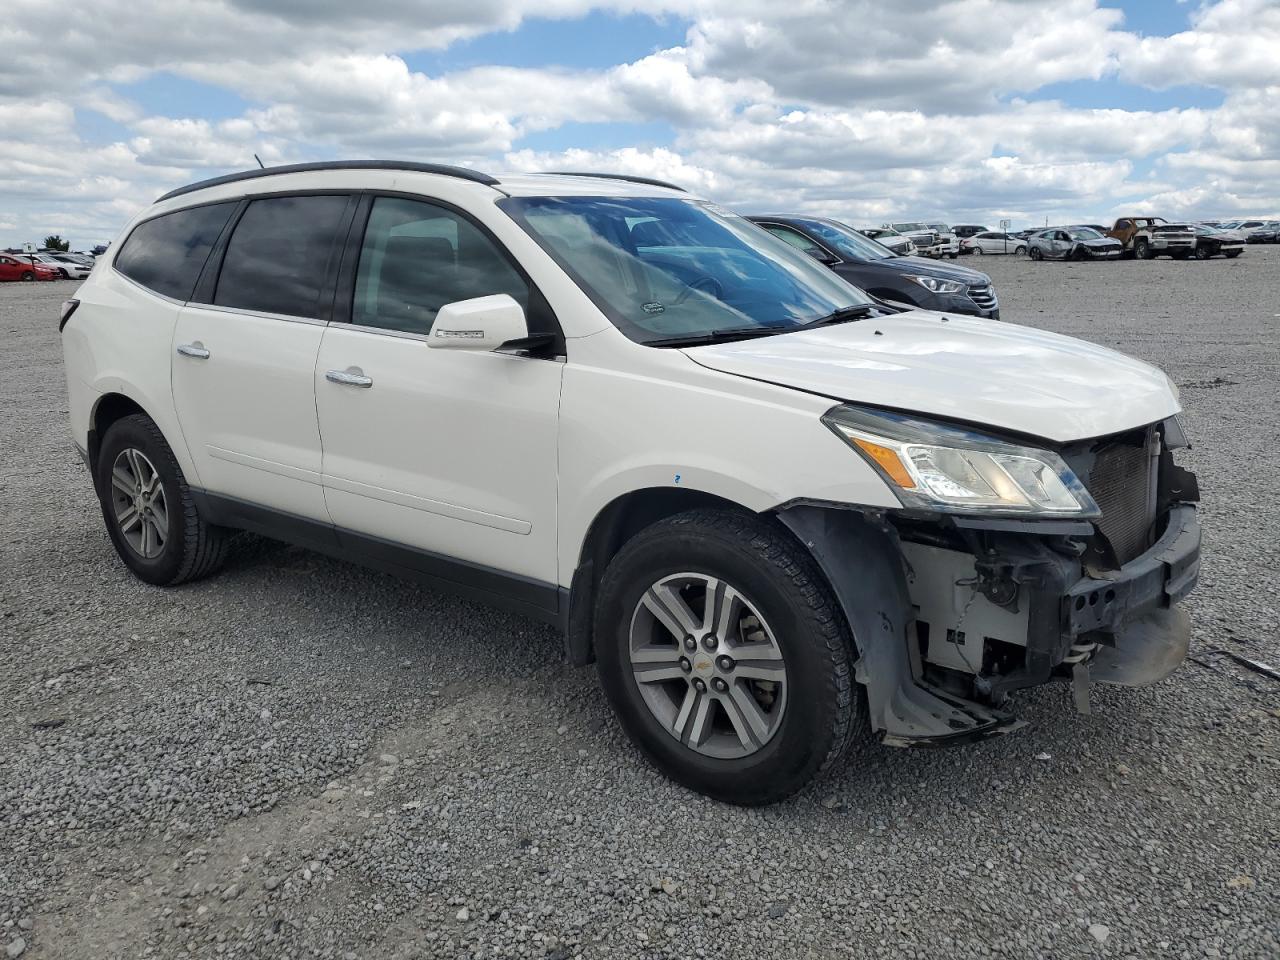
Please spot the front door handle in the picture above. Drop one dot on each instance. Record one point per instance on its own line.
(350, 377)
(195, 350)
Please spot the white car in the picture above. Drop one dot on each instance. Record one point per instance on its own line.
(68, 269)
(902, 246)
(927, 240)
(950, 243)
(777, 513)
(992, 242)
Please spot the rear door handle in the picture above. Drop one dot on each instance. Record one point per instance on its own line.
(195, 350)
(350, 377)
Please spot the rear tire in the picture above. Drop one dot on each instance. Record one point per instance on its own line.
(1231, 254)
(150, 514)
(978, 250)
(751, 743)
(1203, 252)
(28, 275)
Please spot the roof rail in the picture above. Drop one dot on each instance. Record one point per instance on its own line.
(650, 181)
(444, 169)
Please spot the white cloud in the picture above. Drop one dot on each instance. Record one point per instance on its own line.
(1232, 45)
(859, 109)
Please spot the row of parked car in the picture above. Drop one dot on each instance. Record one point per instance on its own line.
(1142, 237)
(44, 265)
(899, 262)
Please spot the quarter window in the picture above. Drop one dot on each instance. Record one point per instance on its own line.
(278, 258)
(167, 253)
(417, 257)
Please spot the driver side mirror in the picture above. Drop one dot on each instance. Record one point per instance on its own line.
(482, 323)
(821, 255)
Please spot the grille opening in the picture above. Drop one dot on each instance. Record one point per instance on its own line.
(1122, 481)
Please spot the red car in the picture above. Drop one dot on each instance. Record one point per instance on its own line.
(13, 266)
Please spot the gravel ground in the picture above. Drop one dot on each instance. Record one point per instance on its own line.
(302, 758)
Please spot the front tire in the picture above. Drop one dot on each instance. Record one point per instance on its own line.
(725, 656)
(1036, 254)
(150, 514)
(1203, 252)
(1142, 250)
(28, 275)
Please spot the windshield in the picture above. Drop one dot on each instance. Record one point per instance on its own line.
(908, 227)
(663, 269)
(1084, 233)
(940, 227)
(846, 241)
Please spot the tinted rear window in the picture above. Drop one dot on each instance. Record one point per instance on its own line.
(278, 257)
(166, 254)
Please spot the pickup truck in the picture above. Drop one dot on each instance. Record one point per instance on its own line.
(1149, 237)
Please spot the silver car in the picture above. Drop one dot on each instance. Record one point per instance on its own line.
(993, 242)
(1072, 243)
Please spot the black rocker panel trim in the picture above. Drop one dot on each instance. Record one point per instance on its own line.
(533, 598)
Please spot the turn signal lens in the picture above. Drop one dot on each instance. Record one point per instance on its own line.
(889, 462)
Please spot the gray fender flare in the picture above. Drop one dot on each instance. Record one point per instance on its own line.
(860, 556)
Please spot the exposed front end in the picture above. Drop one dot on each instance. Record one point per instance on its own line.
(989, 602)
(1003, 605)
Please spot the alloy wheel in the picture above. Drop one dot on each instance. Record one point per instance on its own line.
(138, 503)
(707, 665)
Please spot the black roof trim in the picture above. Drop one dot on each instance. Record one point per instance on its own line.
(648, 181)
(444, 169)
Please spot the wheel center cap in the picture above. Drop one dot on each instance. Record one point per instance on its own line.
(703, 663)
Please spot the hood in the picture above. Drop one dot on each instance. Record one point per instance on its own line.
(921, 267)
(961, 368)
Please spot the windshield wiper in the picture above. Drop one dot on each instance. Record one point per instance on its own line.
(853, 312)
(859, 311)
(719, 336)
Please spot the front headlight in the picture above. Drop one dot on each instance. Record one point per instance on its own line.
(938, 467)
(938, 285)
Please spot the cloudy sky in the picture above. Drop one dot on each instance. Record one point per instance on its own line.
(968, 111)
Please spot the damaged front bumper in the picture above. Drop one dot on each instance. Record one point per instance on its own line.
(955, 622)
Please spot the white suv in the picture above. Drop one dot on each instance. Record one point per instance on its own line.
(778, 513)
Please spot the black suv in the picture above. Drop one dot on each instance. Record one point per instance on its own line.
(883, 273)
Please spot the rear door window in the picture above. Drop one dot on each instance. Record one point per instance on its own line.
(279, 256)
(167, 253)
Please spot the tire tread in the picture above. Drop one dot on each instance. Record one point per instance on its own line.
(204, 546)
(773, 545)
